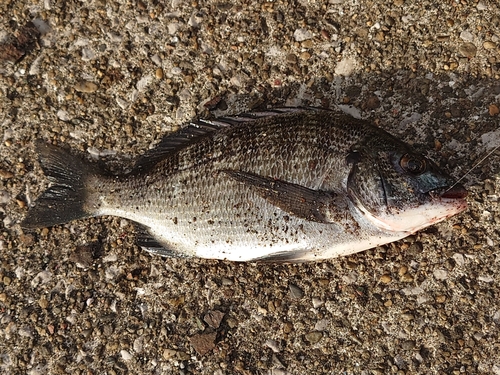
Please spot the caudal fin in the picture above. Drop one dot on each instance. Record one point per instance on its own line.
(64, 200)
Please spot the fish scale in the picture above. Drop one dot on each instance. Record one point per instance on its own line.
(288, 185)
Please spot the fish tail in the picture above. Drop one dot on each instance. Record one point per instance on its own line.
(65, 199)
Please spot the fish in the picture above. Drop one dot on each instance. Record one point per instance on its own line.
(280, 185)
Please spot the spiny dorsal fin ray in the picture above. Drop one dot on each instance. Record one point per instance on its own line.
(174, 142)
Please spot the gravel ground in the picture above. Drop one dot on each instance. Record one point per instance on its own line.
(110, 78)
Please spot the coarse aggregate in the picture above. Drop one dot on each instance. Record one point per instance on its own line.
(110, 78)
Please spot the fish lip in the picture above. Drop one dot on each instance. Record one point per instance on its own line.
(456, 191)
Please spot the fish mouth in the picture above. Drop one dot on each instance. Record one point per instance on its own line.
(456, 191)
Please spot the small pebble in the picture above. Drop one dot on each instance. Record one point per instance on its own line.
(373, 102)
(203, 343)
(440, 299)
(6, 174)
(407, 316)
(139, 344)
(51, 328)
(273, 345)
(302, 34)
(305, 55)
(496, 317)
(82, 256)
(408, 344)
(291, 58)
(307, 43)
(493, 110)
(468, 50)
(441, 274)
(386, 279)
(43, 303)
(126, 355)
(287, 327)
(489, 45)
(407, 278)
(4, 197)
(466, 36)
(27, 239)
(86, 86)
(214, 318)
(317, 302)
(322, 325)
(313, 337)
(402, 271)
(459, 258)
(159, 73)
(296, 292)
(481, 6)
(169, 354)
(141, 5)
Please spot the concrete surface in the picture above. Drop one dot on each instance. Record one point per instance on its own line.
(110, 78)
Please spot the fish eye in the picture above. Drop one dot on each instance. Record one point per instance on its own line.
(412, 165)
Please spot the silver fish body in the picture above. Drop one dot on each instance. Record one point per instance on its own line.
(292, 185)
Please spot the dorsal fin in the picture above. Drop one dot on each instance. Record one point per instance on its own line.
(199, 129)
(175, 141)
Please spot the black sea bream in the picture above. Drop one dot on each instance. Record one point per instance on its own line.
(283, 185)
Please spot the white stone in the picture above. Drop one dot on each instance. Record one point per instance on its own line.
(317, 302)
(466, 36)
(486, 279)
(126, 355)
(4, 197)
(273, 345)
(143, 83)
(441, 274)
(481, 6)
(459, 258)
(88, 54)
(302, 34)
(173, 27)
(346, 66)
(321, 325)
(41, 278)
(63, 115)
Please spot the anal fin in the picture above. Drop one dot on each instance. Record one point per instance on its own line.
(297, 200)
(285, 257)
(148, 242)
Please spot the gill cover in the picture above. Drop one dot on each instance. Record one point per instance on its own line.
(397, 188)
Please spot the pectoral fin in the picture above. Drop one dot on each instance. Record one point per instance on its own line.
(297, 200)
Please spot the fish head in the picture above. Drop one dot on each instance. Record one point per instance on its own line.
(398, 189)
